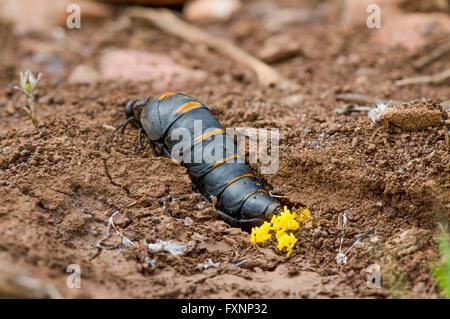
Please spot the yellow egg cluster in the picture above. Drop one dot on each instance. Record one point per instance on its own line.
(261, 234)
(287, 242)
(283, 225)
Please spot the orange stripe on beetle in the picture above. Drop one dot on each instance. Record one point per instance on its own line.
(238, 178)
(188, 107)
(229, 158)
(209, 134)
(192, 108)
(258, 191)
(162, 97)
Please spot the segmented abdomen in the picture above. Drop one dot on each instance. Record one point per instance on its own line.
(209, 155)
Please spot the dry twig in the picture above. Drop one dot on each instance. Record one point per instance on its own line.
(433, 56)
(349, 108)
(426, 79)
(165, 20)
(361, 99)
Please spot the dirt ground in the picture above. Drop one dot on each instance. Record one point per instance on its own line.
(61, 183)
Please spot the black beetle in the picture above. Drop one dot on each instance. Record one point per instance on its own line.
(240, 199)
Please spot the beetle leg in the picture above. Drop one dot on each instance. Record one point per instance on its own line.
(155, 151)
(139, 139)
(156, 147)
(124, 125)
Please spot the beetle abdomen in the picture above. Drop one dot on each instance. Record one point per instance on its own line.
(210, 156)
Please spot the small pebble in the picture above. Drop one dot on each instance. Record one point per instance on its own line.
(372, 147)
(188, 221)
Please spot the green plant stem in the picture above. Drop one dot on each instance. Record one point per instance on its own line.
(30, 100)
(441, 268)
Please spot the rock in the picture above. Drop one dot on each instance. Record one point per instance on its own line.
(334, 128)
(10, 107)
(276, 20)
(410, 30)
(354, 12)
(426, 6)
(83, 74)
(371, 147)
(446, 105)
(244, 28)
(398, 29)
(408, 241)
(210, 10)
(44, 15)
(414, 116)
(293, 100)
(160, 70)
(156, 3)
(16, 283)
(279, 48)
(419, 289)
(173, 248)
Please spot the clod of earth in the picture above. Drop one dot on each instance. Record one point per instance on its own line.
(409, 241)
(414, 116)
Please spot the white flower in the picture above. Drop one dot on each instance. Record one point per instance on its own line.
(28, 82)
(375, 113)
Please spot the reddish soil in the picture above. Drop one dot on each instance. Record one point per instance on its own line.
(60, 184)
